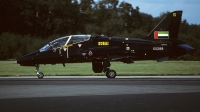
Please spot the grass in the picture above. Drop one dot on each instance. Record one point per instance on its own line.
(10, 68)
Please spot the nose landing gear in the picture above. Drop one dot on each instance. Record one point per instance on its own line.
(39, 74)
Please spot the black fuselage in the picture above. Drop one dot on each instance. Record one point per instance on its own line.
(114, 48)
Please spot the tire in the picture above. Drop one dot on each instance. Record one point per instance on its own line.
(40, 75)
(111, 74)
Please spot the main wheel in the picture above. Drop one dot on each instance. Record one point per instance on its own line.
(40, 75)
(111, 74)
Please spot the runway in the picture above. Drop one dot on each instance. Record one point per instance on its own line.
(99, 94)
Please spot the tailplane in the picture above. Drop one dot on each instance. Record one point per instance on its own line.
(168, 27)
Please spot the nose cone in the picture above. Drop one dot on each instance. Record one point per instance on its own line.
(28, 60)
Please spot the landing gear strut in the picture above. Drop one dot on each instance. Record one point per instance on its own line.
(39, 74)
(106, 69)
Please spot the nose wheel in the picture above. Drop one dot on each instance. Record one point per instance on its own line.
(40, 75)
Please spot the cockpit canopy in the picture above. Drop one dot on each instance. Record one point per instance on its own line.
(64, 41)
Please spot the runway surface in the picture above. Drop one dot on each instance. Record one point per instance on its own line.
(99, 94)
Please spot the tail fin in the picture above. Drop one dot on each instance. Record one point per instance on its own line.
(168, 27)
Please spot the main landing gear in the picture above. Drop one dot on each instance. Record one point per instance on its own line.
(98, 67)
(111, 74)
(106, 69)
(39, 74)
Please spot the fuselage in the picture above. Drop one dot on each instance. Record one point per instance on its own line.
(85, 48)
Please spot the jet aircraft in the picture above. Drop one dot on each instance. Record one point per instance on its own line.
(160, 44)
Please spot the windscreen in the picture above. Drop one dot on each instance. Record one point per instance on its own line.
(58, 43)
(45, 48)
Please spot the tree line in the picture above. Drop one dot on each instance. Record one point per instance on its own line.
(26, 25)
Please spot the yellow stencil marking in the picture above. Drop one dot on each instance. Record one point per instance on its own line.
(106, 43)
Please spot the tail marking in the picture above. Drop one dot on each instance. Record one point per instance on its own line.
(161, 34)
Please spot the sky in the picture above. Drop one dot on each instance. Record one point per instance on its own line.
(190, 8)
